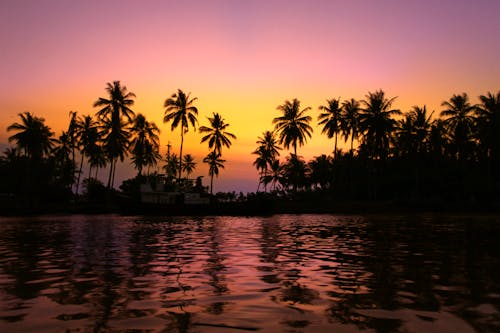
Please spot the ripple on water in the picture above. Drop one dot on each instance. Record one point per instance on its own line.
(293, 273)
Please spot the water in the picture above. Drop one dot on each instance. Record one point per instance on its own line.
(287, 273)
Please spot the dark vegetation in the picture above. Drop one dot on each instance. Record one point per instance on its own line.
(416, 160)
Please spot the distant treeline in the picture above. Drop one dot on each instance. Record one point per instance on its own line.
(452, 154)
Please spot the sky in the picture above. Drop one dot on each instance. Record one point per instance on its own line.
(242, 59)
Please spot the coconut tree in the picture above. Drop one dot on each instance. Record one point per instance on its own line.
(179, 110)
(267, 151)
(145, 144)
(172, 165)
(215, 162)
(296, 171)
(459, 117)
(188, 164)
(377, 123)
(115, 115)
(350, 120)
(275, 175)
(293, 126)
(488, 114)
(331, 120)
(33, 137)
(321, 168)
(216, 134)
(72, 133)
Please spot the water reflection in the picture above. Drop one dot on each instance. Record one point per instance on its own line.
(309, 273)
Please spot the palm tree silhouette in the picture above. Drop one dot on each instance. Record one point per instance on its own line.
(179, 109)
(350, 123)
(115, 115)
(293, 126)
(145, 144)
(267, 152)
(321, 168)
(72, 133)
(33, 137)
(331, 119)
(376, 123)
(275, 176)
(188, 164)
(460, 120)
(216, 134)
(215, 162)
(296, 171)
(488, 113)
(86, 133)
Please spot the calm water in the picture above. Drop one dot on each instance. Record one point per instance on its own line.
(307, 273)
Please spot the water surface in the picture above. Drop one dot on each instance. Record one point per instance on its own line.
(286, 273)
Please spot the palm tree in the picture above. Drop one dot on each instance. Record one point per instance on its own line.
(214, 162)
(33, 137)
(261, 163)
(115, 114)
(293, 126)
(296, 171)
(376, 123)
(97, 159)
(267, 151)
(275, 175)
(216, 134)
(460, 120)
(189, 164)
(488, 113)
(331, 119)
(179, 109)
(87, 134)
(145, 144)
(72, 133)
(321, 171)
(350, 123)
(172, 165)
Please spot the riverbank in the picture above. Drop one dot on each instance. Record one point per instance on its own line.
(259, 206)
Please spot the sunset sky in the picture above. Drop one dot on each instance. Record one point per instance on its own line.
(242, 59)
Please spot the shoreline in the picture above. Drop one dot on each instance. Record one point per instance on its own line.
(259, 207)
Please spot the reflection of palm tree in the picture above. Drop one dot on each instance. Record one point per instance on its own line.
(179, 109)
(350, 123)
(188, 165)
(293, 126)
(215, 162)
(460, 120)
(33, 137)
(331, 119)
(216, 134)
(115, 136)
(376, 123)
(145, 143)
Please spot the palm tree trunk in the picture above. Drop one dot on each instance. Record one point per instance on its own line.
(79, 174)
(114, 170)
(90, 170)
(211, 184)
(110, 174)
(352, 142)
(295, 148)
(335, 148)
(180, 154)
(96, 171)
